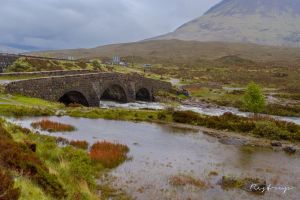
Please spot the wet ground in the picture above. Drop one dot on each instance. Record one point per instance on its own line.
(159, 152)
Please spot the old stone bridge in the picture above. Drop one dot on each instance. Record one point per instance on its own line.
(88, 89)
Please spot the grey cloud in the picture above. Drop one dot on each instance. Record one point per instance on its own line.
(59, 24)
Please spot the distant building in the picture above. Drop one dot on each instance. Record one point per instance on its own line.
(147, 65)
(116, 60)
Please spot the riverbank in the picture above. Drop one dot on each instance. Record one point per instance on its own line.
(46, 167)
(258, 127)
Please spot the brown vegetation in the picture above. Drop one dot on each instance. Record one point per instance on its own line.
(7, 190)
(50, 126)
(80, 144)
(184, 180)
(20, 158)
(109, 154)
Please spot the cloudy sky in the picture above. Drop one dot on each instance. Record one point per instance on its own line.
(60, 24)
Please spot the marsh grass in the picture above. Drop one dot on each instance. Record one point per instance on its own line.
(50, 126)
(109, 154)
(185, 180)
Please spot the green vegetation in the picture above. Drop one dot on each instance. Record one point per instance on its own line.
(22, 110)
(254, 99)
(47, 171)
(33, 64)
(257, 126)
(119, 114)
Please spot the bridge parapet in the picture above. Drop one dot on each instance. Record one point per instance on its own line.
(90, 88)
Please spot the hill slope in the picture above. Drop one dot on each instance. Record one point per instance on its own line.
(183, 52)
(267, 22)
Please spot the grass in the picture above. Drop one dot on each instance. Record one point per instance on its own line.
(117, 114)
(28, 101)
(70, 168)
(20, 110)
(109, 154)
(30, 190)
(8, 190)
(50, 126)
(185, 180)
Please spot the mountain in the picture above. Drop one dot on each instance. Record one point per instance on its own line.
(266, 22)
(9, 49)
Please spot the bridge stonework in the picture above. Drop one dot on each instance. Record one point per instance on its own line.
(92, 87)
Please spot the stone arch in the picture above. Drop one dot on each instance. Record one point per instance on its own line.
(74, 97)
(143, 94)
(114, 92)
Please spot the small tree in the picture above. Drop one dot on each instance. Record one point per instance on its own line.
(254, 99)
(96, 64)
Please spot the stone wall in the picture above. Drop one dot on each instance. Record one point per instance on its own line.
(92, 86)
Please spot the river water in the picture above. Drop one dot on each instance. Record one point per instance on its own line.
(202, 109)
(159, 152)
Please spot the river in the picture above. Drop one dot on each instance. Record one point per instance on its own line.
(202, 109)
(161, 151)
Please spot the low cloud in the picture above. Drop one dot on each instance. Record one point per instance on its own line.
(60, 24)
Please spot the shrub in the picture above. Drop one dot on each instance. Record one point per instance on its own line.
(185, 117)
(80, 144)
(109, 154)
(269, 130)
(7, 190)
(47, 125)
(254, 99)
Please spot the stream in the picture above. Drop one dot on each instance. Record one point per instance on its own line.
(202, 109)
(159, 152)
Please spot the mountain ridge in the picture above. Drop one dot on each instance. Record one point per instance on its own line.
(264, 22)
